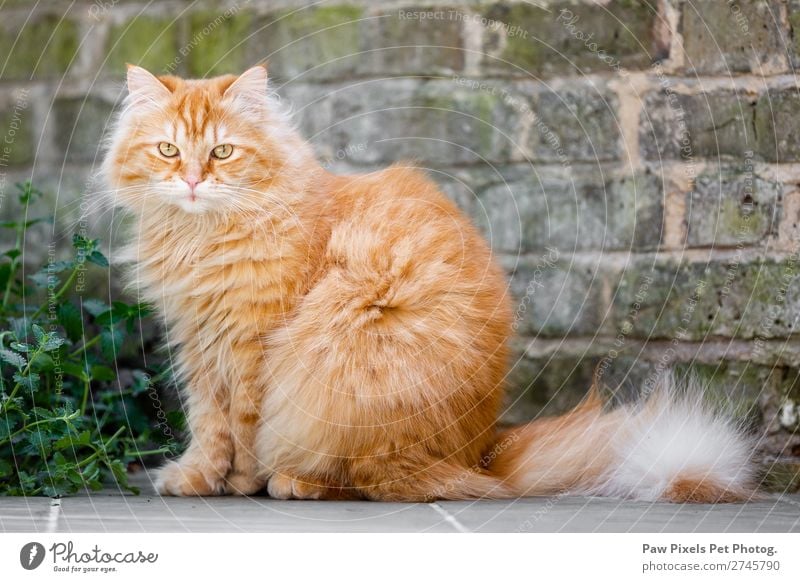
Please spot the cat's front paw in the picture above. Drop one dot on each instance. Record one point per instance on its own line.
(243, 484)
(182, 479)
(284, 487)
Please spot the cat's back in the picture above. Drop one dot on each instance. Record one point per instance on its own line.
(395, 212)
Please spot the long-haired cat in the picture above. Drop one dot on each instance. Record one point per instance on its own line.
(346, 336)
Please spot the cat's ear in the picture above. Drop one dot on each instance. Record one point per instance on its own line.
(250, 87)
(145, 88)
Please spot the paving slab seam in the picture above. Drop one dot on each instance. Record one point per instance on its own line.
(52, 516)
(449, 518)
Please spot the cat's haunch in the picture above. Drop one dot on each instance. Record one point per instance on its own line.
(347, 336)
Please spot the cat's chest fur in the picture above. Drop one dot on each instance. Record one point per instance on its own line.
(220, 286)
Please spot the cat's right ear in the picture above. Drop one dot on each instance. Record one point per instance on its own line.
(144, 87)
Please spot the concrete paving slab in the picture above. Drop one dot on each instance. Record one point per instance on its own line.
(237, 514)
(113, 510)
(588, 514)
(27, 514)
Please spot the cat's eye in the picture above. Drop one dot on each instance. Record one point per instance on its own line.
(222, 151)
(167, 149)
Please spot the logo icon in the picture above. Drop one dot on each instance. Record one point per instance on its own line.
(31, 555)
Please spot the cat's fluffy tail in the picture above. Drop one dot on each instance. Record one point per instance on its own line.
(671, 446)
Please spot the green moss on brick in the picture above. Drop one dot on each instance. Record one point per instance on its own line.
(218, 43)
(43, 47)
(744, 300)
(553, 42)
(146, 41)
(300, 40)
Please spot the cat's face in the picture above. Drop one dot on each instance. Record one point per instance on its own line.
(201, 146)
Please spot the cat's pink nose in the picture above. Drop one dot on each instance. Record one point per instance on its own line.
(192, 181)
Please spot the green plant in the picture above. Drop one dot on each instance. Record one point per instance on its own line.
(72, 415)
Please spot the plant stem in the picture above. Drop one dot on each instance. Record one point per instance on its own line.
(85, 346)
(160, 451)
(59, 293)
(97, 452)
(14, 265)
(18, 385)
(86, 388)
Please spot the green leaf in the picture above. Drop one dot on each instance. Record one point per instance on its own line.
(97, 258)
(110, 343)
(13, 253)
(47, 341)
(72, 441)
(53, 342)
(31, 381)
(7, 426)
(5, 273)
(6, 469)
(38, 333)
(43, 279)
(41, 413)
(13, 358)
(19, 326)
(103, 373)
(70, 319)
(22, 347)
(95, 306)
(42, 363)
(75, 370)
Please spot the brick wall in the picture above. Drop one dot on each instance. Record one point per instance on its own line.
(635, 164)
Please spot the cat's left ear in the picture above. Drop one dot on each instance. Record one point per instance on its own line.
(250, 88)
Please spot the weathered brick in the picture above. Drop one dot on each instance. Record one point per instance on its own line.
(678, 126)
(435, 122)
(793, 16)
(399, 42)
(571, 38)
(80, 126)
(777, 120)
(733, 37)
(731, 209)
(582, 209)
(218, 42)
(315, 43)
(575, 124)
(729, 298)
(544, 385)
(16, 134)
(41, 47)
(148, 41)
(555, 297)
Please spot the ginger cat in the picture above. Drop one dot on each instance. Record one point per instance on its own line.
(346, 336)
